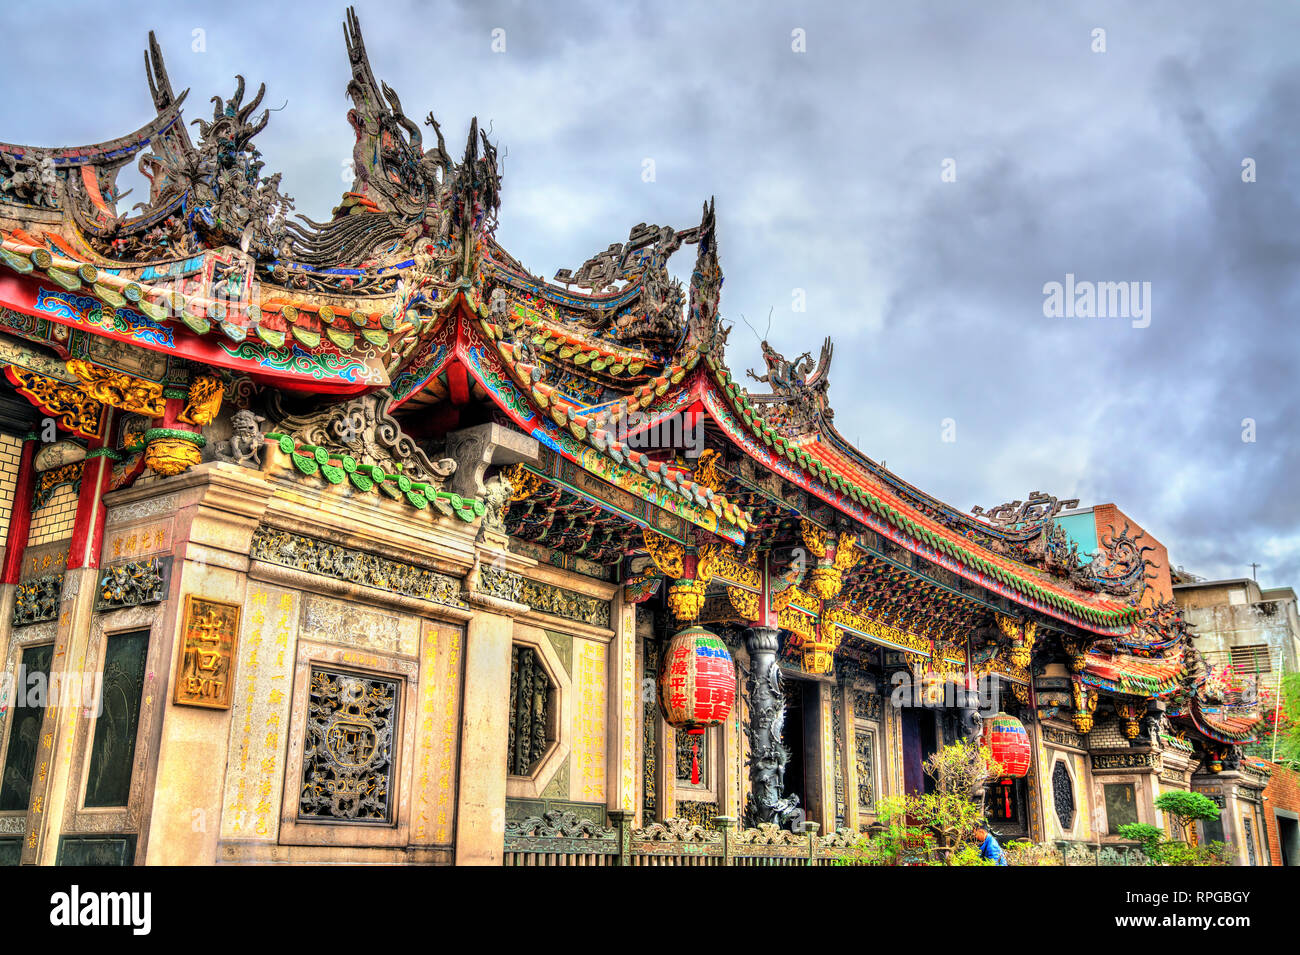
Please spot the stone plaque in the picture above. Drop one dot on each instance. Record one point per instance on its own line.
(437, 737)
(259, 718)
(209, 634)
(589, 720)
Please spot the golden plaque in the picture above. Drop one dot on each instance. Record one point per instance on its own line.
(204, 671)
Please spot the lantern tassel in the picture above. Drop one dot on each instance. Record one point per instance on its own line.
(695, 764)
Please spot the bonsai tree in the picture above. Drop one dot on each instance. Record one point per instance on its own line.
(1186, 808)
(960, 771)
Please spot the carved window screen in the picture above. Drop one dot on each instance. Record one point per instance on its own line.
(348, 759)
(532, 706)
(1063, 796)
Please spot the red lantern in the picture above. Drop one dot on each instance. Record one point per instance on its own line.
(697, 685)
(1006, 737)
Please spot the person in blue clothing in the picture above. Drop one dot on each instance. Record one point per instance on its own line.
(989, 848)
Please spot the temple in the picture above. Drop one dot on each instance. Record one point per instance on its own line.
(353, 540)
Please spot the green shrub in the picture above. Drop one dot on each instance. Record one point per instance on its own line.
(1149, 836)
(968, 855)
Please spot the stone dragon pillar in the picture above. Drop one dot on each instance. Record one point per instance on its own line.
(767, 753)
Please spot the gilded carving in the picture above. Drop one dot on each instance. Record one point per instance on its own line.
(547, 598)
(209, 636)
(203, 401)
(1085, 705)
(119, 390)
(168, 456)
(37, 600)
(131, 584)
(50, 481)
(668, 555)
(72, 408)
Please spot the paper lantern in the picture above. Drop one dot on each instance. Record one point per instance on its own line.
(697, 685)
(1005, 736)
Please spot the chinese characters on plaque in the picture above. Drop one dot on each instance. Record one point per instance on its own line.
(209, 633)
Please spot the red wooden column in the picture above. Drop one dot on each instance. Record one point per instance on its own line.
(96, 474)
(20, 518)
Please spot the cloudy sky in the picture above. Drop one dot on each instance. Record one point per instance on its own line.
(824, 131)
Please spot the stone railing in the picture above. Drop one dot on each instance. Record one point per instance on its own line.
(559, 838)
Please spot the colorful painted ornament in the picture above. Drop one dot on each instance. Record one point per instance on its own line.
(697, 685)
(1005, 736)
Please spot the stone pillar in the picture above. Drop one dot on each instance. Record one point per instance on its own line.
(624, 704)
(46, 810)
(767, 754)
(213, 538)
(819, 752)
(485, 719)
(665, 770)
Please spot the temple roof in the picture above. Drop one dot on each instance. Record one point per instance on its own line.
(406, 279)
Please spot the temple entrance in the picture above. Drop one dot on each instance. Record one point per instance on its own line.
(792, 736)
(1005, 803)
(918, 746)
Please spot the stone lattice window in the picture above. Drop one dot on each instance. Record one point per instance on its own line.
(1063, 796)
(532, 704)
(347, 772)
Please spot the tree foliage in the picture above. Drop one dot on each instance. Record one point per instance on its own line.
(1187, 807)
(929, 828)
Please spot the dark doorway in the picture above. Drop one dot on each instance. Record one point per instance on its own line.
(918, 746)
(1005, 803)
(1288, 834)
(792, 735)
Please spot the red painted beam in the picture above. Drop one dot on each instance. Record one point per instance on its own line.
(20, 293)
(20, 517)
(88, 526)
(458, 383)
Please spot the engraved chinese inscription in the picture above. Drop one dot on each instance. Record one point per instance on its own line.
(210, 631)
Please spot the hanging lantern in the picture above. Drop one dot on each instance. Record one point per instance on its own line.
(697, 685)
(1005, 736)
